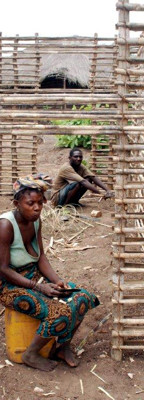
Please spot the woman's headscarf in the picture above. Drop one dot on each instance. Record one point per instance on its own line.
(39, 182)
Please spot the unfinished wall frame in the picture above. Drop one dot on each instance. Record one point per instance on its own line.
(128, 282)
(102, 81)
(28, 111)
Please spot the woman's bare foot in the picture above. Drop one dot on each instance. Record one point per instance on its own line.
(34, 360)
(65, 353)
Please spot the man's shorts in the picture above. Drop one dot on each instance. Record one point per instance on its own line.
(64, 192)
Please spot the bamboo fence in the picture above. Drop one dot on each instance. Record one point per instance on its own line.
(28, 111)
(101, 152)
(139, 106)
(128, 282)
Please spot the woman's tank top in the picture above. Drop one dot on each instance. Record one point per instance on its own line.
(18, 253)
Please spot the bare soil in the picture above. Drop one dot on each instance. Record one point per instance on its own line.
(91, 268)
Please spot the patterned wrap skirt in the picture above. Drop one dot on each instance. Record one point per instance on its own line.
(58, 317)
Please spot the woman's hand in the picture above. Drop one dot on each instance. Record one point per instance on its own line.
(52, 289)
(62, 285)
(48, 289)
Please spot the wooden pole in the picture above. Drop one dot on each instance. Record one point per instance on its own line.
(15, 63)
(118, 277)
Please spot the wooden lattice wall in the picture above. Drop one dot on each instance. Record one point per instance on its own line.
(102, 81)
(26, 110)
(128, 276)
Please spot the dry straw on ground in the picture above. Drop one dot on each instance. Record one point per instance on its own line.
(59, 221)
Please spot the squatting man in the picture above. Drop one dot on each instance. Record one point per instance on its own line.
(73, 180)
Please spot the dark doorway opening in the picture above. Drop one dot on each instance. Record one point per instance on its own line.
(58, 82)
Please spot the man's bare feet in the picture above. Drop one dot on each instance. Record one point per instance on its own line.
(65, 353)
(34, 360)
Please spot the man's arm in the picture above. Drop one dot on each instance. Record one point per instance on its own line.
(89, 186)
(97, 181)
(108, 194)
(92, 178)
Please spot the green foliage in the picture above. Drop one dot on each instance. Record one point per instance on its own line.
(74, 141)
(46, 107)
(102, 139)
(79, 140)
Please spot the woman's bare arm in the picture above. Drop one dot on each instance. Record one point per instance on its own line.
(6, 239)
(44, 265)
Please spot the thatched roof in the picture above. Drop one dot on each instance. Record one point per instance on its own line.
(74, 67)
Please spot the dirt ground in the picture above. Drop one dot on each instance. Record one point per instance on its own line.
(92, 268)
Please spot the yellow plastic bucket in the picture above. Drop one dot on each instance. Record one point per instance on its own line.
(19, 332)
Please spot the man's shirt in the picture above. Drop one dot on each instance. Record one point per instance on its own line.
(67, 175)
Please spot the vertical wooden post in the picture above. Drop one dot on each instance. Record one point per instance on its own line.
(64, 87)
(111, 168)
(115, 57)
(0, 107)
(118, 275)
(14, 137)
(93, 64)
(37, 65)
(15, 64)
(110, 165)
(92, 88)
(34, 154)
(0, 58)
(93, 153)
(1, 155)
(35, 138)
(14, 157)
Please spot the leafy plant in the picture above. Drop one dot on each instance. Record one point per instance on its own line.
(79, 140)
(74, 140)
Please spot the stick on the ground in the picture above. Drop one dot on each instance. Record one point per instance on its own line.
(104, 391)
(93, 219)
(77, 234)
(140, 391)
(87, 223)
(81, 385)
(99, 377)
(100, 324)
(78, 248)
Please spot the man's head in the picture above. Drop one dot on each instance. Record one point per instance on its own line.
(75, 157)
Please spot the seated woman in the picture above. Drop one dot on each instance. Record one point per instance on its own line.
(23, 263)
